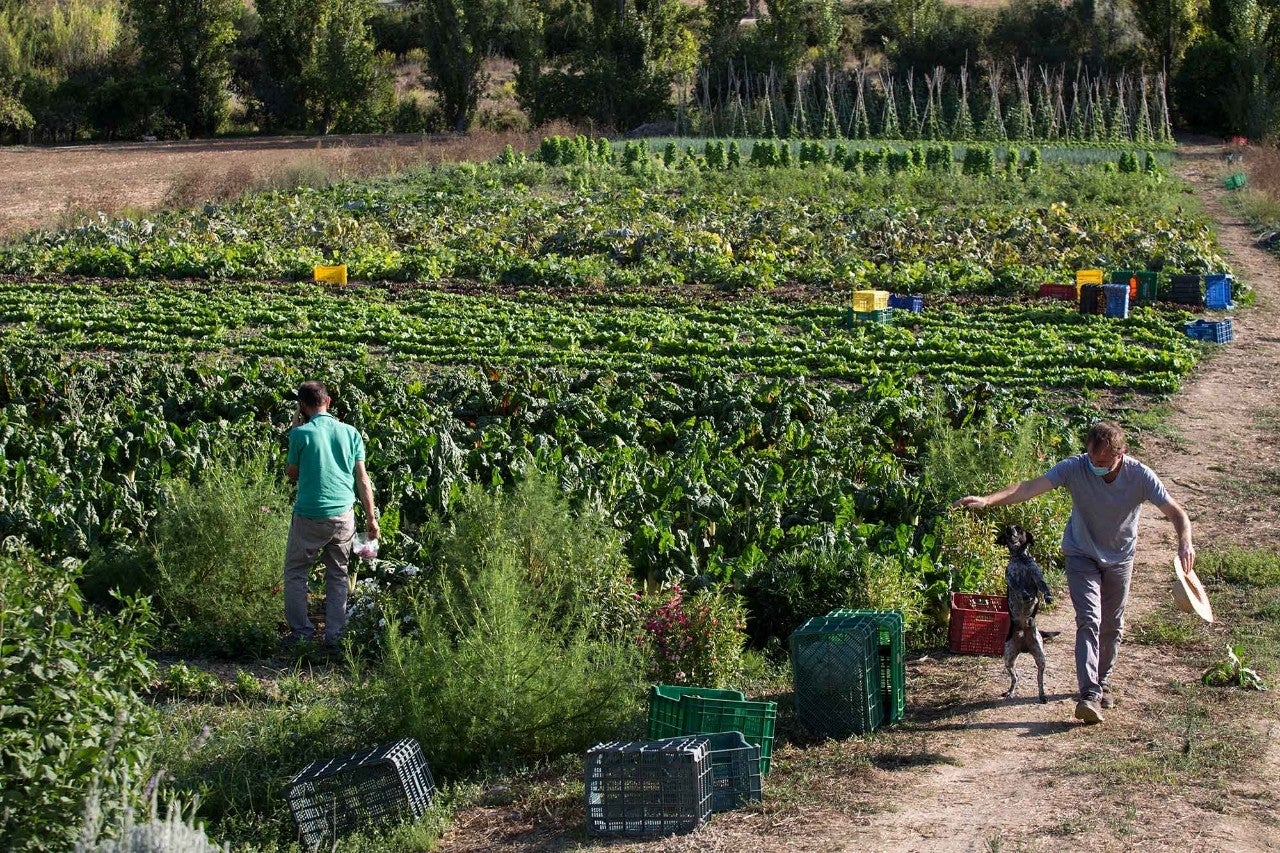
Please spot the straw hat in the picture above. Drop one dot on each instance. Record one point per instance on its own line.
(1189, 593)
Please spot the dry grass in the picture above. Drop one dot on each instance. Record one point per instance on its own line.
(47, 187)
(1263, 167)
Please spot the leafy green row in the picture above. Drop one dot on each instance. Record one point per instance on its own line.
(530, 225)
(1019, 345)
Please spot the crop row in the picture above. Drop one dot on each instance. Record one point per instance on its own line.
(1023, 345)
(528, 225)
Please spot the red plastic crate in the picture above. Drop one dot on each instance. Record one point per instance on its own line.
(979, 624)
(1059, 291)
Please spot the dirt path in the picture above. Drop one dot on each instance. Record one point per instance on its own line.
(972, 772)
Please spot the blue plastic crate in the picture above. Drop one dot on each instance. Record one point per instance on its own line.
(1213, 331)
(914, 304)
(1217, 292)
(1117, 300)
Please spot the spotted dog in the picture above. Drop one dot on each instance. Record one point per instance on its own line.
(1024, 584)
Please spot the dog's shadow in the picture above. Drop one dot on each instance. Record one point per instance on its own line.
(943, 718)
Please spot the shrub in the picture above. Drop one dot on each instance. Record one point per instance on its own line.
(979, 160)
(493, 678)
(694, 639)
(220, 551)
(73, 720)
(573, 563)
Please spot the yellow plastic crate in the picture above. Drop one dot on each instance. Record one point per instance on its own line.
(870, 300)
(336, 274)
(1089, 277)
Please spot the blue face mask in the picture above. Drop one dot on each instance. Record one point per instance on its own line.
(1100, 470)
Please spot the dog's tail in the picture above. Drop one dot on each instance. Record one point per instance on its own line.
(1049, 635)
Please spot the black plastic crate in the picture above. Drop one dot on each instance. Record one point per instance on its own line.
(383, 784)
(648, 787)
(1186, 289)
(836, 665)
(1093, 299)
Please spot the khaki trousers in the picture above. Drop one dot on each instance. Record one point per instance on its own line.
(329, 539)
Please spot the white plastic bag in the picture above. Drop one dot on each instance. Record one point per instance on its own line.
(363, 546)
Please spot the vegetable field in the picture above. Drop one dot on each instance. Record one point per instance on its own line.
(664, 335)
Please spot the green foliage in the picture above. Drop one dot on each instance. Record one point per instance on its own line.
(188, 45)
(695, 638)
(219, 545)
(457, 35)
(1233, 672)
(1128, 162)
(1248, 567)
(495, 677)
(979, 161)
(73, 719)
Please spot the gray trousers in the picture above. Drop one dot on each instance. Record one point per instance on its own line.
(1099, 594)
(329, 539)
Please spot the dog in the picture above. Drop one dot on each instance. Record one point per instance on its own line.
(1024, 582)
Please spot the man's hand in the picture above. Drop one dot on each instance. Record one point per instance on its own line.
(1187, 556)
(971, 502)
(371, 528)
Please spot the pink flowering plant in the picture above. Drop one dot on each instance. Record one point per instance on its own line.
(693, 638)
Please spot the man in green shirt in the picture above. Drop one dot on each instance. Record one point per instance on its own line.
(326, 460)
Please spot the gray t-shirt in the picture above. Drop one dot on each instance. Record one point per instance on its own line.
(1104, 516)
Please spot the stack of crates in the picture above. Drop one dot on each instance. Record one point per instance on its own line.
(1148, 287)
(891, 641)
(1217, 292)
(871, 306)
(1116, 302)
(1213, 331)
(908, 302)
(1186, 290)
(648, 788)
(836, 667)
(979, 624)
(676, 711)
(1093, 299)
(382, 784)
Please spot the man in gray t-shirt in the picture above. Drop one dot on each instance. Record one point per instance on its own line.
(1108, 489)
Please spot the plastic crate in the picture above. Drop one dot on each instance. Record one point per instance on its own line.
(1084, 277)
(664, 706)
(914, 304)
(1060, 291)
(880, 315)
(1093, 299)
(648, 787)
(1186, 289)
(870, 300)
(891, 642)
(735, 771)
(1148, 287)
(698, 710)
(1213, 331)
(1127, 277)
(836, 668)
(382, 784)
(1117, 300)
(1217, 292)
(331, 274)
(1235, 182)
(979, 624)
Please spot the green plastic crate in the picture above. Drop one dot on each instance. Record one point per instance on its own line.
(891, 641)
(880, 315)
(836, 666)
(1148, 287)
(699, 710)
(664, 707)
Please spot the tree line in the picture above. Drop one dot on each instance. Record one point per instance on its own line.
(110, 69)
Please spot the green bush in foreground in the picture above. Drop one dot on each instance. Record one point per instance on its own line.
(220, 550)
(71, 720)
(513, 660)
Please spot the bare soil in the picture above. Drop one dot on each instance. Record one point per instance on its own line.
(969, 771)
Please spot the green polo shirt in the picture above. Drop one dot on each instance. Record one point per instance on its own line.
(326, 452)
